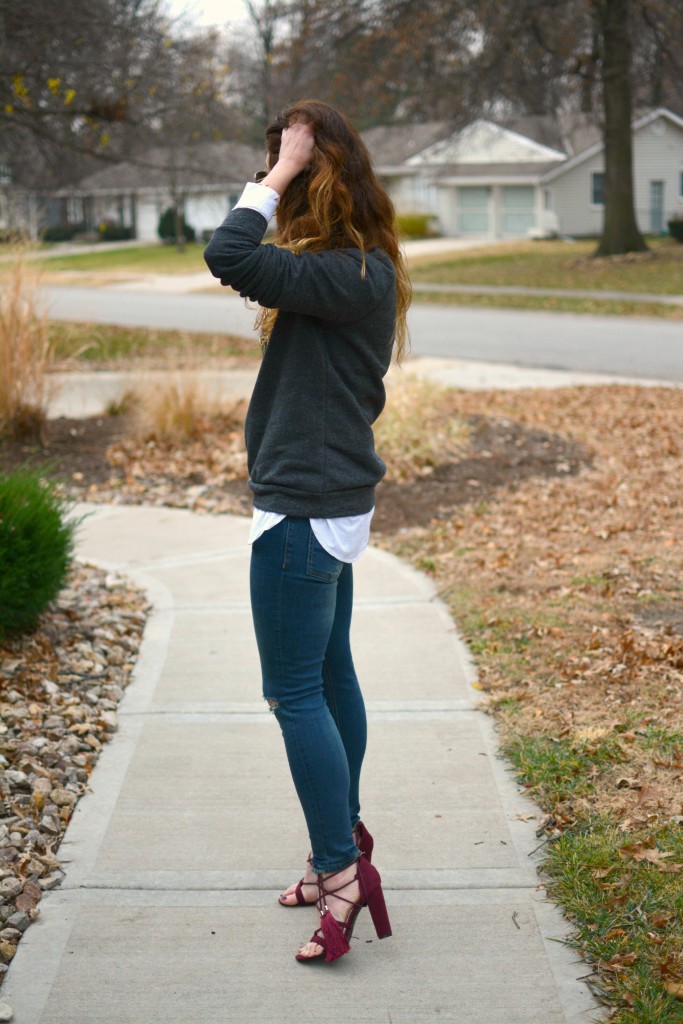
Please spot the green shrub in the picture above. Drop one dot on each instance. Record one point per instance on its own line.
(676, 228)
(416, 225)
(108, 231)
(61, 232)
(166, 229)
(36, 548)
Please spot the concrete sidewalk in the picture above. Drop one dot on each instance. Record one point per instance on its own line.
(174, 860)
(77, 393)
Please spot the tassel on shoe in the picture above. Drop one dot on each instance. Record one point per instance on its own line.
(335, 939)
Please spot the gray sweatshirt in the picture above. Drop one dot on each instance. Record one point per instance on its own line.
(308, 431)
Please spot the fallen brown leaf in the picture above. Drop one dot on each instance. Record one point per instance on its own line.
(640, 852)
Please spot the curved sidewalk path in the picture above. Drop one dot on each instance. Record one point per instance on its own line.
(168, 911)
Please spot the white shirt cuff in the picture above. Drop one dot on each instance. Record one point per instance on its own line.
(258, 197)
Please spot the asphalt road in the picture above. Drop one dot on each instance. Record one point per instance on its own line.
(627, 346)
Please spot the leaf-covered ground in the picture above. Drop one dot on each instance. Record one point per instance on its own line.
(569, 587)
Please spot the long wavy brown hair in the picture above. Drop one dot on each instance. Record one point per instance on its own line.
(336, 202)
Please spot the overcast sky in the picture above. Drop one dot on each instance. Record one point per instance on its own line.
(208, 12)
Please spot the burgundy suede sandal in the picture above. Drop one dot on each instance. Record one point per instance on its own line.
(333, 935)
(365, 844)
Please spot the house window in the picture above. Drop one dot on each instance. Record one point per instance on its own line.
(74, 210)
(597, 188)
(424, 193)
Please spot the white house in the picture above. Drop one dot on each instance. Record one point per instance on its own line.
(533, 175)
(208, 178)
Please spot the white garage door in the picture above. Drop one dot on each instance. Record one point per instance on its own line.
(474, 202)
(147, 219)
(518, 209)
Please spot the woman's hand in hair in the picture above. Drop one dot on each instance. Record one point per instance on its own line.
(296, 152)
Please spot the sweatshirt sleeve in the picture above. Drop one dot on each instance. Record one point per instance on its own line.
(325, 284)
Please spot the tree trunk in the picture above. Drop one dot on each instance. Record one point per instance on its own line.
(179, 222)
(620, 231)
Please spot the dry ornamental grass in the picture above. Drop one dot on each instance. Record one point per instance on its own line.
(24, 352)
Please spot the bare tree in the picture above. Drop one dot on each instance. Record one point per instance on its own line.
(101, 80)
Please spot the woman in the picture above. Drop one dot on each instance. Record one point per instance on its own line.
(334, 293)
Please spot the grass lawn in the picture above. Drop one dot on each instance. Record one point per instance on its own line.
(146, 259)
(554, 304)
(551, 264)
(556, 264)
(75, 344)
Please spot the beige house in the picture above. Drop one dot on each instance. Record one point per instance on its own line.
(575, 190)
(533, 176)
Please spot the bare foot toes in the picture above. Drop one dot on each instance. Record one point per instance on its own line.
(311, 950)
(309, 885)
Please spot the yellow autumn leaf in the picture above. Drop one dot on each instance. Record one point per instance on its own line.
(53, 85)
(69, 95)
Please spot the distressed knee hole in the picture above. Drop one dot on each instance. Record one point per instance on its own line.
(272, 705)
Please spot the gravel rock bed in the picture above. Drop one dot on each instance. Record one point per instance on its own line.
(59, 691)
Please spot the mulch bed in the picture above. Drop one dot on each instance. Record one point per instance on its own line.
(67, 447)
(95, 460)
(501, 454)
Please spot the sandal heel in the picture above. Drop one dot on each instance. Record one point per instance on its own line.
(371, 884)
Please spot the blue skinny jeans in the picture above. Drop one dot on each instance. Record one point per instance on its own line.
(301, 600)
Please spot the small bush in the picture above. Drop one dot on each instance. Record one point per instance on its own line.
(166, 229)
(61, 232)
(416, 225)
(676, 228)
(108, 231)
(24, 354)
(36, 545)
